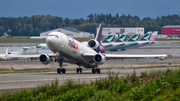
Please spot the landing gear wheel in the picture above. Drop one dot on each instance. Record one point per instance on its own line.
(80, 70)
(63, 70)
(59, 70)
(77, 70)
(93, 70)
(98, 70)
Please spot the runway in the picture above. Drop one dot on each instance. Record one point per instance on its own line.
(28, 80)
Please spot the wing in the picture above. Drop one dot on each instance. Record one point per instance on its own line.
(128, 56)
(29, 56)
(89, 57)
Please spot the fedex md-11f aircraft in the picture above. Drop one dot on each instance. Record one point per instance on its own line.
(69, 50)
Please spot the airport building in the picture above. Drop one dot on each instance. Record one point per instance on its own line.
(122, 30)
(72, 32)
(171, 30)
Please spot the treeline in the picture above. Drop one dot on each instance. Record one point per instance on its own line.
(32, 26)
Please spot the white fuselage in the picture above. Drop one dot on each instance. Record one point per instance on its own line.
(69, 49)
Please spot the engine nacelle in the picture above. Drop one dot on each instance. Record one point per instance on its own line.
(44, 58)
(93, 44)
(99, 58)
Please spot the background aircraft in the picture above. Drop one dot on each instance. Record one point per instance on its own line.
(69, 50)
(132, 41)
(147, 39)
(10, 56)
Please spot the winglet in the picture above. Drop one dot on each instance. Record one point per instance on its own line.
(99, 33)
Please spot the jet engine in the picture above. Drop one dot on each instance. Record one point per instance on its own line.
(99, 58)
(93, 44)
(44, 58)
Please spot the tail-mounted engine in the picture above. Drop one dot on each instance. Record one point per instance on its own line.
(93, 44)
(99, 58)
(44, 58)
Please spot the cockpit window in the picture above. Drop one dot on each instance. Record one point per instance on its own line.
(54, 35)
(50, 35)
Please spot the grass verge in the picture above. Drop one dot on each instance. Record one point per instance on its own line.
(146, 87)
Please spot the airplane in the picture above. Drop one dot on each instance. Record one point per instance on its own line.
(67, 49)
(122, 45)
(10, 56)
(145, 40)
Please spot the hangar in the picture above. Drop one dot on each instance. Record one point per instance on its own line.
(72, 32)
(122, 30)
(171, 30)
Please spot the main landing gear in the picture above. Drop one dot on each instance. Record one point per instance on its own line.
(79, 70)
(94, 70)
(61, 70)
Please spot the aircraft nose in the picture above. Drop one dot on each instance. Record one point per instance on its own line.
(50, 41)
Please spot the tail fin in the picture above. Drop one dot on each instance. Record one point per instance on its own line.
(21, 51)
(122, 38)
(109, 39)
(135, 37)
(146, 37)
(153, 36)
(6, 51)
(99, 33)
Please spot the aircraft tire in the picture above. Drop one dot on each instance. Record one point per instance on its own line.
(98, 71)
(59, 70)
(80, 70)
(77, 70)
(93, 70)
(63, 70)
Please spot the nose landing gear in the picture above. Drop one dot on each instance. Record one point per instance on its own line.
(61, 69)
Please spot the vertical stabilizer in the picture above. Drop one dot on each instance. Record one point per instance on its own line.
(153, 36)
(135, 37)
(6, 51)
(146, 37)
(99, 33)
(122, 38)
(109, 39)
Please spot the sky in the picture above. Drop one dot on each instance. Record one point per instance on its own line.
(76, 9)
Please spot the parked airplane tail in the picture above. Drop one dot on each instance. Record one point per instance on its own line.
(122, 38)
(109, 39)
(21, 51)
(146, 37)
(153, 36)
(135, 37)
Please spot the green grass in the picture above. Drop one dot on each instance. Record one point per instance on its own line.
(154, 86)
(24, 39)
